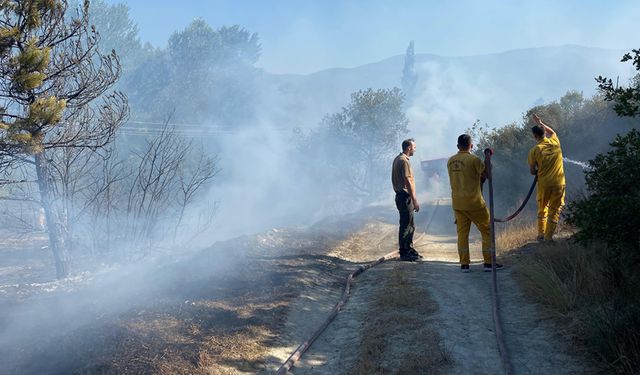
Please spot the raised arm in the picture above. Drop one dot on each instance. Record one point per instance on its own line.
(547, 129)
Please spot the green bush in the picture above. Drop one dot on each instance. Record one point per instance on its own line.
(610, 212)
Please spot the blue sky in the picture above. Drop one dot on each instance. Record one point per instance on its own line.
(304, 36)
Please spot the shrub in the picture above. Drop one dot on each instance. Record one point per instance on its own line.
(609, 212)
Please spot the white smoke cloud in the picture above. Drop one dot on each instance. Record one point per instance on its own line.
(449, 101)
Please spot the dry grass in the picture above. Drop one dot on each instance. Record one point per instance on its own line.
(243, 349)
(574, 284)
(561, 274)
(205, 340)
(357, 247)
(167, 345)
(512, 235)
(391, 342)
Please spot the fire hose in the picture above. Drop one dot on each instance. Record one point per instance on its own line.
(502, 348)
(343, 300)
(524, 203)
(497, 323)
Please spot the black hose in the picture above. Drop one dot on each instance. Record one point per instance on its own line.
(524, 203)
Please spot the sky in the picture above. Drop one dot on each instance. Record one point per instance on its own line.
(305, 36)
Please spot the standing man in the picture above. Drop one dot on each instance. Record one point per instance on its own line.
(465, 172)
(545, 160)
(406, 201)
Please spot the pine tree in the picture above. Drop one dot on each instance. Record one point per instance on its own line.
(409, 76)
(51, 73)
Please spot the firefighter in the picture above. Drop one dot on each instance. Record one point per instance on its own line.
(465, 173)
(545, 160)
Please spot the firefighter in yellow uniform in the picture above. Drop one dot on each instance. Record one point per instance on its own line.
(545, 160)
(465, 171)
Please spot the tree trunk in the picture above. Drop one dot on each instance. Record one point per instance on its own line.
(52, 217)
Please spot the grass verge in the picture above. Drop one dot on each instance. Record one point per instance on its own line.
(581, 286)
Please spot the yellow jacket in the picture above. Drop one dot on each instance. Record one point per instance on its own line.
(547, 157)
(464, 176)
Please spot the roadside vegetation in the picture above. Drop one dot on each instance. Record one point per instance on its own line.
(590, 279)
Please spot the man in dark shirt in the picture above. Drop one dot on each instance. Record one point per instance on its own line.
(406, 201)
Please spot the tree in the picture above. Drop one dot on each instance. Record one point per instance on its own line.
(118, 32)
(51, 74)
(409, 76)
(626, 99)
(571, 103)
(137, 202)
(204, 75)
(613, 194)
(200, 47)
(608, 215)
(358, 143)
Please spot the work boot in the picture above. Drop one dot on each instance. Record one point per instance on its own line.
(415, 252)
(487, 267)
(407, 257)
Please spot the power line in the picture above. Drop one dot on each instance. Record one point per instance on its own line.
(183, 128)
(187, 134)
(186, 130)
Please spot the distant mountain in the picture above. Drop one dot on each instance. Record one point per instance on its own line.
(452, 92)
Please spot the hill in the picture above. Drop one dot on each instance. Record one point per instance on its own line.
(451, 92)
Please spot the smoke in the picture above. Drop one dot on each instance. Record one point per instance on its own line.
(447, 103)
(48, 327)
(262, 185)
(449, 100)
(453, 93)
(256, 187)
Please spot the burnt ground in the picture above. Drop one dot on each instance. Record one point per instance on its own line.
(216, 311)
(244, 305)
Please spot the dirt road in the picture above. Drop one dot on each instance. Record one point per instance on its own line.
(456, 321)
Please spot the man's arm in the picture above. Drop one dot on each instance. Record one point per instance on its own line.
(547, 129)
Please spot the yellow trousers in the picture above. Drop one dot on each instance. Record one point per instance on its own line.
(480, 218)
(550, 201)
